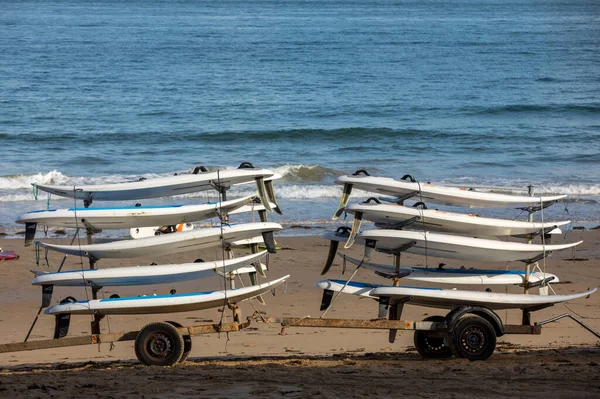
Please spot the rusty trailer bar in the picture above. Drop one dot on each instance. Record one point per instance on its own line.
(116, 337)
(375, 324)
(385, 324)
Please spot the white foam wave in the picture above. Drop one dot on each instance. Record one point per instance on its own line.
(302, 172)
(24, 181)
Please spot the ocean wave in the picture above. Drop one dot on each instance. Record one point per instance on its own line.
(15, 182)
(54, 177)
(533, 108)
(305, 173)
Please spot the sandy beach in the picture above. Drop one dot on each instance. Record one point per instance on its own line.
(261, 362)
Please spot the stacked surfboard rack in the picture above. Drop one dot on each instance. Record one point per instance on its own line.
(161, 343)
(470, 328)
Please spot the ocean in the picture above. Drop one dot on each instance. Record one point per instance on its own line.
(475, 93)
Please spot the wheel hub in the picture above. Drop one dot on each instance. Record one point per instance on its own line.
(159, 345)
(473, 339)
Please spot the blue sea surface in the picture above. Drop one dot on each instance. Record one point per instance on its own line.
(475, 93)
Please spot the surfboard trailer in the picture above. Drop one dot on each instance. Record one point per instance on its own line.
(468, 332)
(162, 343)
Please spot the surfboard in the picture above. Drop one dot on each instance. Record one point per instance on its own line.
(145, 275)
(427, 192)
(142, 232)
(388, 216)
(459, 247)
(457, 275)
(8, 255)
(449, 298)
(130, 216)
(164, 303)
(170, 243)
(163, 186)
(249, 206)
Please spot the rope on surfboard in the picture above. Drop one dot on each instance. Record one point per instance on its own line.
(87, 296)
(223, 257)
(422, 217)
(34, 187)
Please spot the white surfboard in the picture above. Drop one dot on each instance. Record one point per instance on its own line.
(164, 303)
(168, 243)
(143, 232)
(249, 206)
(427, 192)
(385, 215)
(459, 247)
(145, 275)
(162, 186)
(448, 298)
(131, 216)
(457, 275)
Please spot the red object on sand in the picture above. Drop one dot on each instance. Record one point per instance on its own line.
(7, 255)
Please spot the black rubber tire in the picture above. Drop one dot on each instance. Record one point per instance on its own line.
(159, 344)
(187, 342)
(431, 347)
(473, 338)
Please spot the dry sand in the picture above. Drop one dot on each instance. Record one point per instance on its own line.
(260, 362)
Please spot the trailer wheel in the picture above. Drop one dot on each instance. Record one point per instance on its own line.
(187, 342)
(159, 344)
(473, 338)
(429, 346)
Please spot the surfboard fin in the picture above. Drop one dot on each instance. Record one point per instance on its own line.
(333, 247)
(259, 268)
(262, 193)
(369, 249)
(395, 314)
(271, 196)
(269, 240)
(355, 229)
(326, 299)
(63, 320)
(384, 305)
(343, 202)
(61, 325)
(30, 229)
(47, 295)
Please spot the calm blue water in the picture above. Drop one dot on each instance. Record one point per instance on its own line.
(473, 92)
